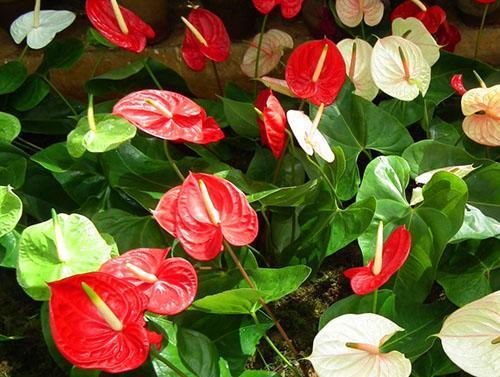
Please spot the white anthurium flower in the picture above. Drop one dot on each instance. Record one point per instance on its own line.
(352, 12)
(277, 85)
(481, 107)
(399, 68)
(273, 45)
(459, 170)
(357, 54)
(40, 27)
(306, 132)
(349, 346)
(414, 30)
(471, 336)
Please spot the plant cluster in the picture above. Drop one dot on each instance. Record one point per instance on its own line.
(159, 229)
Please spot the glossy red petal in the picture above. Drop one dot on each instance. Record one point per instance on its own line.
(273, 125)
(100, 14)
(155, 339)
(433, 18)
(265, 6)
(457, 84)
(405, 9)
(84, 337)
(169, 116)
(448, 36)
(176, 288)
(396, 250)
(290, 8)
(166, 210)
(300, 70)
(213, 31)
(485, 1)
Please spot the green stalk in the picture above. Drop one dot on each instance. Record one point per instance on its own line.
(152, 75)
(171, 161)
(480, 31)
(71, 108)
(259, 46)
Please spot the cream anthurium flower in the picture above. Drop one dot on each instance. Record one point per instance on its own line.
(481, 107)
(349, 345)
(40, 27)
(307, 134)
(459, 170)
(352, 12)
(274, 43)
(277, 85)
(471, 336)
(414, 30)
(399, 68)
(357, 54)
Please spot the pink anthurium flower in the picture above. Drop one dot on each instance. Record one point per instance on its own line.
(97, 322)
(169, 116)
(350, 345)
(289, 8)
(170, 284)
(272, 121)
(352, 12)
(316, 71)
(206, 38)
(203, 212)
(277, 85)
(274, 42)
(389, 258)
(119, 25)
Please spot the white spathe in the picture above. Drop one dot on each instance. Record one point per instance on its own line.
(331, 357)
(352, 12)
(399, 68)
(468, 335)
(273, 45)
(51, 23)
(310, 140)
(358, 68)
(458, 170)
(414, 30)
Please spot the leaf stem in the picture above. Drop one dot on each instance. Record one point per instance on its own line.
(323, 175)
(170, 365)
(262, 302)
(259, 47)
(52, 86)
(363, 35)
(171, 161)
(480, 31)
(275, 349)
(152, 75)
(217, 78)
(23, 52)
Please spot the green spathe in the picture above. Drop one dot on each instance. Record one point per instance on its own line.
(58, 248)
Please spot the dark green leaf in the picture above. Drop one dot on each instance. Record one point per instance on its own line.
(241, 117)
(61, 54)
(9, 127)
(12, 76)
(31, 93)
(198, 353)
(286, 196)
(433, 364)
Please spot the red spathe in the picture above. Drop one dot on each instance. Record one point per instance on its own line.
(272, 126)
(289, 8)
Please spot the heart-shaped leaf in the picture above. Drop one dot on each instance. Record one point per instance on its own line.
(11, 209)
(10, 127)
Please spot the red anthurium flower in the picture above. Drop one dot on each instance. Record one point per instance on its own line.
(272, 121)
(204, 211)
(458, 85)
(431, 17)
(316, 71)
(169, 116)
(119, 25)
(389, 257)
(97, 322)
(206, 38)
(448, 36)
(289, 8)
(485, 1)
(170, 284)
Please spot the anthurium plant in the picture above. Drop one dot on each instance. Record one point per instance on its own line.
(160, 234)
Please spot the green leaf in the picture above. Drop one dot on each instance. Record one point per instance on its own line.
(434, 363)
(8, 249)
(129, 231)
(198, 353)
(235, 301)
(11, 209)
(406, 112)
(470, 270)
(12, 76)
(75, 372)
(241, 117)
(286, 196)
(61, 54)
(10, 127)
(95, 38)
(258, 373)
(134, 76)
(63, 246)
(355, 304)
(431, 224)
(12, 169)
(31, 93)
(110, 132)
(354, 124)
